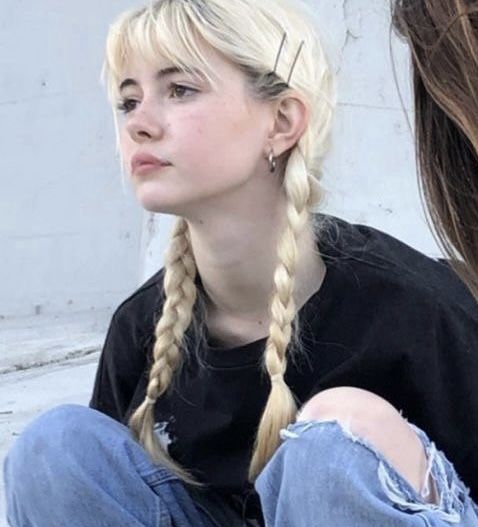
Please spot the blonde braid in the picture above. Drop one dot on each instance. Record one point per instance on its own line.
(281, 408)
(180, 291)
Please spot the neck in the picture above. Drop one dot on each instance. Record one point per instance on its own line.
(236, 258)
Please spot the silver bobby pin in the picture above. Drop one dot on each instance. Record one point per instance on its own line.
(295, 61)
(280, 51)
(284, 38)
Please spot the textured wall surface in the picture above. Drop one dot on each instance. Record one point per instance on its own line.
(69, 233)
(370, 175)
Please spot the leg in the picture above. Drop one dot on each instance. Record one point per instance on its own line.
(75, 466)
(372, 418)
(340, 465)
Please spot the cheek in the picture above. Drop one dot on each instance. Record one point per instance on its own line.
(221, 135)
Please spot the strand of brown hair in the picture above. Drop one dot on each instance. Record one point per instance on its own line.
(443, 38)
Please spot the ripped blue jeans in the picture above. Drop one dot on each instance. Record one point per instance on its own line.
(324, 475)
(76, 467)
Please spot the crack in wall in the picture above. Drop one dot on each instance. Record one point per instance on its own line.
(352, 20)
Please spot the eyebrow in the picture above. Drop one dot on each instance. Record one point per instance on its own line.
(159, 75)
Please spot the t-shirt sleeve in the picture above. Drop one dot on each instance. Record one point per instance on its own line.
(121, 365)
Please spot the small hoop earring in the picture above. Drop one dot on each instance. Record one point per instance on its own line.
(272, 161)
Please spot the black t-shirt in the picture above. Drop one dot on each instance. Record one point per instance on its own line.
(386, 319)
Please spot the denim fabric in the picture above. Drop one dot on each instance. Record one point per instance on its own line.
(76, 467)
(324, 475)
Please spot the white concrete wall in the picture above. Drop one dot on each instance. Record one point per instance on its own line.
(370, 175)
(69, 233)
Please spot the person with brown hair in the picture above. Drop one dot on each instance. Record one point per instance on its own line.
(443, 39)
(260, 376)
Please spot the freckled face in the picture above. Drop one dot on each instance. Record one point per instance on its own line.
(214, 137)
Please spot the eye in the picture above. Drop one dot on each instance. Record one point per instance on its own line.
(178, 91)
(127, 105)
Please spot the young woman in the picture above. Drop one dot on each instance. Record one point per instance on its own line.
(263, 307)
(443, 38)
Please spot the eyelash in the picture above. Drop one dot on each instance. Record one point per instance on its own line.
(124, 105)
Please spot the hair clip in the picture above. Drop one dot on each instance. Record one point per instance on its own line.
(280, 51)
(281, 47)
(295, 61)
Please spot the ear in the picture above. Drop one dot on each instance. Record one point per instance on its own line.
(291, 117)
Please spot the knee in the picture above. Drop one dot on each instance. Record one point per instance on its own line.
(59, 434)
(370, 417)
(348, 405)
(53, 429)
(361, 412)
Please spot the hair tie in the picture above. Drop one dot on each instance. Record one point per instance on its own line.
(277, 377)
(150, 401)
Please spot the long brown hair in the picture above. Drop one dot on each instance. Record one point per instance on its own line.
(443, 38)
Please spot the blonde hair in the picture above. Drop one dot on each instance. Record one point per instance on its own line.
(248, 33)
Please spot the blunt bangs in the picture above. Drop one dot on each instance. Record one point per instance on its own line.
(171, 32)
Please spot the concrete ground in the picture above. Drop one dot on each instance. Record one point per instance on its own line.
(28, 393)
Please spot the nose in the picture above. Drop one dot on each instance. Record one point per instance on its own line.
(145, 123)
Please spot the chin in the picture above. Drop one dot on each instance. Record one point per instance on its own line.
(157, 207)
(162, 206)
(152, 201)
(177, 203)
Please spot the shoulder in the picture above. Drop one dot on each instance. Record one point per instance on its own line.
(139, 311)
(372, 263)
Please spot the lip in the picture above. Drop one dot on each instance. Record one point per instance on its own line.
(142, 163)
(147, 168)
